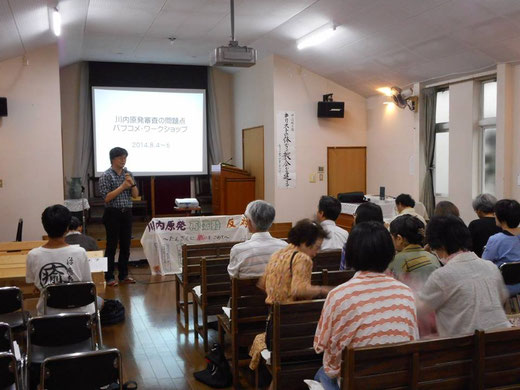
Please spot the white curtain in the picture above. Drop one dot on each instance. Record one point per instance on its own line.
(214, 143)
(84, 146)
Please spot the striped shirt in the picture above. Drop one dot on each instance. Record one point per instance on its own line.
(248, 259)
(370, 309)
(108, 182)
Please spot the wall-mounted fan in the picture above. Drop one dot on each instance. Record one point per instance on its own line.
(403, 99)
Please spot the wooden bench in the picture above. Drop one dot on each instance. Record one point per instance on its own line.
(20, 247)
(190, 274)
(327, 259)
(248, 318)
(215, 290)
(485, 360)
(293, 358)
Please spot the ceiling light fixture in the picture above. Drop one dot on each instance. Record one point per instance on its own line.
(316, 37)
(56, 22)
(387, 91)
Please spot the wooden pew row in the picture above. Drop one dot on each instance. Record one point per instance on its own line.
(190, 274)
(13, 269)
(23, 247)
(328, 259)
(485, 360)
(249, 314)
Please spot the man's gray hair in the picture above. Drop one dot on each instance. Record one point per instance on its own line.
(261, 214)
(485, 203)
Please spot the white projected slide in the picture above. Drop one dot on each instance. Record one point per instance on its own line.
(163, 130)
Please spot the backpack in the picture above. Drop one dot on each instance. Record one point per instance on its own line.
(218, 373)
(113, 312)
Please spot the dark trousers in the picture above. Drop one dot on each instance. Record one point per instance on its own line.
(118, 225)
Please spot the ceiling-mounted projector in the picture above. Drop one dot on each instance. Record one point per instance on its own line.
(233, 54)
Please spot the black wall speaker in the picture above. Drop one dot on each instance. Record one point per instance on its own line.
(3, 106)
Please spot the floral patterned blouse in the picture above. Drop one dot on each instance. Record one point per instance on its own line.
(282, 281)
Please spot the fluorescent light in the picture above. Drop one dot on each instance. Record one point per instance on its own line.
(56, 22)
(387, 91)
(316, 37)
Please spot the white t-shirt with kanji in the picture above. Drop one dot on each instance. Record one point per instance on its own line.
(47, 266)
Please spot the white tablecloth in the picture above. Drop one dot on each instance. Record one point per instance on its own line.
(76, 205)
(387, 205)
(163, 238)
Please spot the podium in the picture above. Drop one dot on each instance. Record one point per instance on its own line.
(233, 188)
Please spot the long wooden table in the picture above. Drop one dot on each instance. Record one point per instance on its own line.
(13, 269)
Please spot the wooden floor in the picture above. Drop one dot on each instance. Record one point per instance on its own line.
(157, 352)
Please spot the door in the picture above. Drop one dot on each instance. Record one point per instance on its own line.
(253, 155)
(347, 169)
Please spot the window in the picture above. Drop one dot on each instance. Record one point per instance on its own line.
(487, 136)
(442, 143)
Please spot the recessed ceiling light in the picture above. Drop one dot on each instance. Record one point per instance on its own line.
(56, 22)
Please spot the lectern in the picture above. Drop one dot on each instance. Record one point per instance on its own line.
(232, 187)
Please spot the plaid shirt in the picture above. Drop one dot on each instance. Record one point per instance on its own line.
(108, 182)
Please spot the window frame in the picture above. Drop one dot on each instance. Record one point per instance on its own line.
(441, 127)
(483, 124)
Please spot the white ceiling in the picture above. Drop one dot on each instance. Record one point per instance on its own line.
(377, 43)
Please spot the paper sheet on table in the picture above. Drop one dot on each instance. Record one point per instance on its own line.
(266, 354)
(197, 291)
(227, 311)
(98, 264)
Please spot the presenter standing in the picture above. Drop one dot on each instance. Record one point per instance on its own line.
(117, 187)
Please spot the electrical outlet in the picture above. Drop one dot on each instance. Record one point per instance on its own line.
(320, 176)
(1, 183)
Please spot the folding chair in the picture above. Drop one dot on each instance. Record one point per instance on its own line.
(56, 335)
(70, 296)
(11, 308)
(6, 338)
(8, 372)
(511, 272)
(82, 371)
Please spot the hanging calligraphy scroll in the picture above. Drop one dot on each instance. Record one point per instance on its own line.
(286, 149)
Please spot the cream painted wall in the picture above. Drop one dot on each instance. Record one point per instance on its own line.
(69, 91)
(392, 149)
(298, 89)
(223, 83)
(253, 97)
(30, 142)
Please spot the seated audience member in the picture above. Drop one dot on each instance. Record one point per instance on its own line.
(288, 274)
(329, 210)
(371, 308)
(504, 247)
(75, 236)
(485, 226)
(412, 264)
(405, 204)
(445, 208)
(57, 262)
(248, 259)
(468, 292)
(364, 213)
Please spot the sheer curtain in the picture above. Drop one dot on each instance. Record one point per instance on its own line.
(428, 192)
(84, 145)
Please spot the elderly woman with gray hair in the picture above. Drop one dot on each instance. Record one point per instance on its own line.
(485, 226)
(248, 259)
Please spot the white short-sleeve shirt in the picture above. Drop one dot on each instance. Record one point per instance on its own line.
(47, 266)
(337, 236)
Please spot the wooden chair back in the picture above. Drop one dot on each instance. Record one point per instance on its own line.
(331, 278)
(293, 358)
(327, 259)
(500, 364)
(20, 246)
(447, 363)
(215, 285)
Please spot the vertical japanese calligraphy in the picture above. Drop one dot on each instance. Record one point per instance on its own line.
(286, 149)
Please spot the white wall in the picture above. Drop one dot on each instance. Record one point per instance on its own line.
(253, 96)
(298, 89)
(30, 142)
(392, 149)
